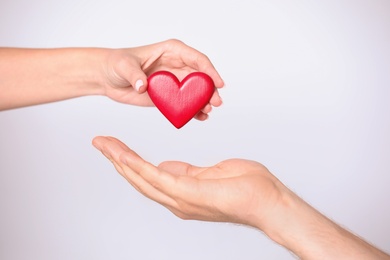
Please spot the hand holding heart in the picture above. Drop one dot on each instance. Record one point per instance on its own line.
(127, 70)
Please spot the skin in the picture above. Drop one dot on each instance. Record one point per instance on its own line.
(37, 76)
(238, 191)
(235, 190)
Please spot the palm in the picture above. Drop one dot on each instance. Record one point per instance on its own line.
(224, 192)
(236, 190)
(125, 66)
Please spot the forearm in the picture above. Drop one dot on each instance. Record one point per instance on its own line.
(310, 235)
(35, 76)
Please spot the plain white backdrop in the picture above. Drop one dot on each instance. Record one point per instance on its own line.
(307, 94)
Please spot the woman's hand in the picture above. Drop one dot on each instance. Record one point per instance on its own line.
(37, 76)
(126, 71)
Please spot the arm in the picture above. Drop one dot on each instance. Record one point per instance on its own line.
(311, 235)
(243, 192)
(36, 76)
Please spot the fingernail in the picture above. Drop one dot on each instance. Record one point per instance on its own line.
(138, 84)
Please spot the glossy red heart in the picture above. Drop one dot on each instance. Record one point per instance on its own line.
(179, 101)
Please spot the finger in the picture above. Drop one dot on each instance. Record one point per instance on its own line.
(216, 99)
(202, 63)
(138, 80)
(191, 57)
(110, 151)
(171, 185)
(130, 69)
(182, 194)
(180, 168)
(144, 176)
(201, 116)
(212, 72)
(151, 181)
(118, 152)
(101, 143)
(223, 170)
(145, 188)
(202, 173)
(207, 109)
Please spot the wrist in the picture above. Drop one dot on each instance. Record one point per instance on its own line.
(282, 223)
(299, 227)
(310, 235)
(91, 64)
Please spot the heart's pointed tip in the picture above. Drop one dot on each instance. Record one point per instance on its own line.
(178, 126)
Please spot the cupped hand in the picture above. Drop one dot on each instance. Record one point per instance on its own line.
(126, 70)
(238, 191)
(235, 190)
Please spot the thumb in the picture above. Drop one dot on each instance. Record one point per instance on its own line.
(138, 80)
(180, 168)
(130, 70)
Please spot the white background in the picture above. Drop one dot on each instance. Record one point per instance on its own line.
(307, 94)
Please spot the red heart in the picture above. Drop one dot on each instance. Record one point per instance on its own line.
(179, 101)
